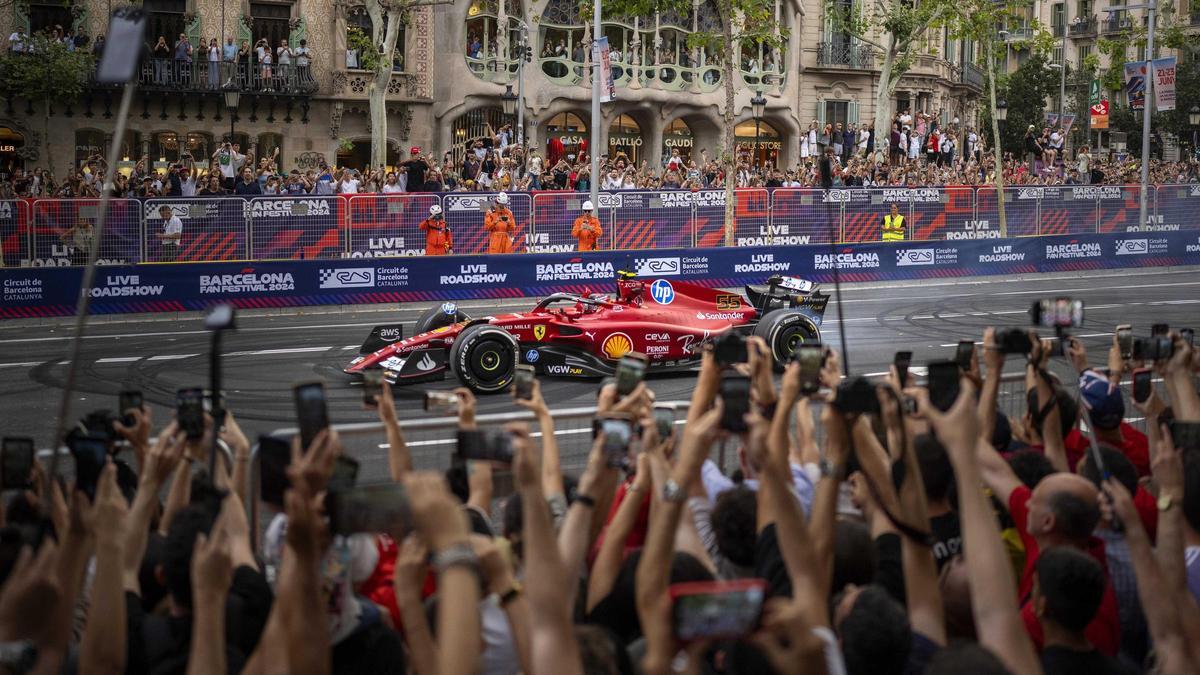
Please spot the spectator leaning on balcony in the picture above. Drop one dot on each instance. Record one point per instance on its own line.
(499, 223)
(183, 59)
(161, 52)
(283, 57)
(438, 239)
(214, 64)
(171, 234)
(229, 53)
(587, 229)
(17, 41)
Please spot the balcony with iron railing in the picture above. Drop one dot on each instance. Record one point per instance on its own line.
(970, 75)
(1194, 17)
(1081, 27)
(846, 53)
(1019, 34)
(1116, 24)
(207, 76)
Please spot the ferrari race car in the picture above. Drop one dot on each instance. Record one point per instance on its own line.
(574, 335)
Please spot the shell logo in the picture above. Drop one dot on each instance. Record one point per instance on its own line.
(616, 345)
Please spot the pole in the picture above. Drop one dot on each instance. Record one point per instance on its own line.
(1146, 109)
(521, 88)
(232, 114)
(1062, 106)
(997, 151)
(216, 405)
(85, 289)
(594, 184)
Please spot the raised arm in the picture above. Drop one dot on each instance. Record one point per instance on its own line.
(989, 394)
(993, 590)
(104, 647)
(399, 457)
(608, 560)
(552, 480)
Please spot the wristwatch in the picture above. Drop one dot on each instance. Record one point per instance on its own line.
(1165, 502)
(672, 492)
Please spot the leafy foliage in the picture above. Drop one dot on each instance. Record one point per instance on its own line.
(48, 72)
(368, 52)
(1027, 89)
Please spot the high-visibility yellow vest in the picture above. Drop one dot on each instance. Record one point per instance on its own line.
(892, 228)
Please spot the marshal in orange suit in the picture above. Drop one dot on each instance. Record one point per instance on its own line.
(499, 223)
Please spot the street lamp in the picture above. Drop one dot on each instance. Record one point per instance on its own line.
(1194, 120)
(758, 105)
(1001, 110)
(232, 98)
(509, 100)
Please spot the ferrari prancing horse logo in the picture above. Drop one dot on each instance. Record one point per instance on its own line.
(539, 332)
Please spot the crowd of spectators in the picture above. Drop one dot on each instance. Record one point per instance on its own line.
(928, 538)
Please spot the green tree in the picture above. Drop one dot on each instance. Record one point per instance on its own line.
(1027, 89)
(742, 21)
(47, 73)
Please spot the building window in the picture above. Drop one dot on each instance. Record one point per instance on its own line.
(199, 145)
(164, 18)
(1058, 18)
(758, 142)
(47, 17)
(1084, 52)
(360, 37)
(566, 138)
(476, 129)
(484, 32)
(270, 22)
(1056, 54)
(677, 136)
(837, 111)
(625, 140)
(1085, 8)
(88, 144)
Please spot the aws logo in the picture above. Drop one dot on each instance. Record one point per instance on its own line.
(616, 345)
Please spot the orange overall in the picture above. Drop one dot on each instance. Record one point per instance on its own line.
(438, 240)
(587, 231)
(499, 223)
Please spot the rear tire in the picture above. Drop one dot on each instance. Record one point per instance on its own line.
(438, 317)
(484, 357)
(784, 331)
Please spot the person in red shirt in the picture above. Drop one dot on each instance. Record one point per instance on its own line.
(438, 239)
(1106, 409)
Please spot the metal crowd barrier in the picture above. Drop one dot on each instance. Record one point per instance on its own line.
(45, 231)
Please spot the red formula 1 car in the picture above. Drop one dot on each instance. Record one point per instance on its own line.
(571, 335)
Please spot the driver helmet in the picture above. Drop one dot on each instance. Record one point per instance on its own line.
(630, 290)
(502, 198)
(435, 210)
(587, 205)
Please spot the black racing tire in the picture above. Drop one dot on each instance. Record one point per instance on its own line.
(485, 357)
(438, 316)
(784, 331)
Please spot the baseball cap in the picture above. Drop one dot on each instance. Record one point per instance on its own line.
(415, 150)
(1102, 399)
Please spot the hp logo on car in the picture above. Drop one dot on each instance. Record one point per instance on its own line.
(662, 292)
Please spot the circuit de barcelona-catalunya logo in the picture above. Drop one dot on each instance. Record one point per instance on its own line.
(351, 277)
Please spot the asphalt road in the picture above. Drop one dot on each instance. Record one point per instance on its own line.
(269, 352)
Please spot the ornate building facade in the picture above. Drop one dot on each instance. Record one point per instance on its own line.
(456, 65)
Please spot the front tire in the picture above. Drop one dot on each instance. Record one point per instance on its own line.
(439, 316)
(484, 357)
(784, 331)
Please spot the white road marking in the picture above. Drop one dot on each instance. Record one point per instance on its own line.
(120, 359)
(267, 352)
(171, 357)
(24, 364)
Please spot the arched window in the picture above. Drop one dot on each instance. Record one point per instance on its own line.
(88, 144)
(484, 35)
(476, 129)
(268, 144)
(360, 38)
(625, 139)
(677, 138)
(164, 18)
(199, 145)
(164, 149)
(758, 141)
(566, 138)
(47, 16)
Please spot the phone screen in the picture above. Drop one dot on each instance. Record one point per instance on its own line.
(1125, 341)
(1160, 329)
(811, 358)
(1141, 384)
(16, 463)
(735, 394)
(716, 609)
(189, 411)
(943, 384)
(371, 508)
(345, 474)
(490, 445)
(730, 348)
(372, 386)
(664, 421)
(630, 371)
(118, 64)
(275, 454)
(128, 400)
(901, 361)
(311, 414)
(1188, 335)
(523, 382)
(618, 433)
(89, 453)
(963, 354)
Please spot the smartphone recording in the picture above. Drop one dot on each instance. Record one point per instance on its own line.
(1057, 313)
(704, 610)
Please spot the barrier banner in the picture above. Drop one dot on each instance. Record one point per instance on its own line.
(59, 223)
(34, 292)
(1020, 209)
(801, 216)
(464, 214)
(214, 228)
(644, 220)
(14, 232)
(389, 225)
(752, 220)
(554, 215)
(1119, 206)
(296, 227)
(1177, 208)
(946, 213)
(1072, 209)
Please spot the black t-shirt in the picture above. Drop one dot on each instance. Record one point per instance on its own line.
(1064, 661)
(160, 644)
(947, 537)
(416, 174)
